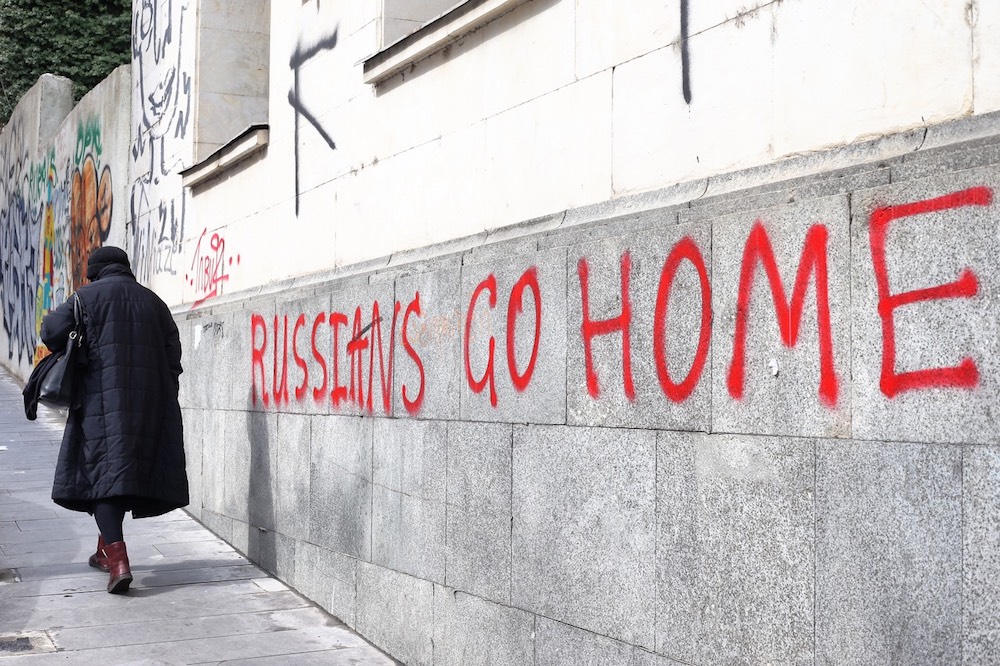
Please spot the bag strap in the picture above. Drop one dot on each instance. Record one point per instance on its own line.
(78, 317)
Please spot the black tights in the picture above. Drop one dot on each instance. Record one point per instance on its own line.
(109, 514)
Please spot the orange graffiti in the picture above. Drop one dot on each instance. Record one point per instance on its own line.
(90, 216)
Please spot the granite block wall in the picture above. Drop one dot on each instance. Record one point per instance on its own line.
(754, 427)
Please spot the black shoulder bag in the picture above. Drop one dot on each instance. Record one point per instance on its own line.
(58, 387)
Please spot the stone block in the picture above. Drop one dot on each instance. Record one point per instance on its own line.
(241, 536)
(395, 612)
(969, 131)
(652, 144)
(735, 549)
(328, 578)
(781, 333)
(717, 14)
(361, 377)
(552, 29)
(926, 310)
(606, 36)
(843, 106)
(273, 552)
(242, 437)
(515, 312)
(292, 475)
(584, 225)
(643, 658)
(301, 344)
(557, 643)
(236, 15)
(233, 63)
(574, 116)
(212, 344)
(469, 631)
(738, 69)
(220, 525)
(751, 200)
(408, 504)
(410, 457)
(249, 478)
(253, 356)
(844, 183)
(187, 396)
(479, 509)
(198, 362)
(944, 161)
(340, 485)
(888, 553)
(981, 555)
(194, 427)
(231, 338)
(433, 329)
(583, 543)
(667, 382)
(986, 57)
(213, 463)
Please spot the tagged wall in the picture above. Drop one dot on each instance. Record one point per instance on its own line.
(559, 104)
(62, 195)
(163, 55)
(758, 427)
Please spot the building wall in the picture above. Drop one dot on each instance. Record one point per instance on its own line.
(65, 174)
(752, 427)
(560, 104)
(581, 341)
(762, 433)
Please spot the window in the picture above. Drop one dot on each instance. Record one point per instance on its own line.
(401, 17)
(415, 29)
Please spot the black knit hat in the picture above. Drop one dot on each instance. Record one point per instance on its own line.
(105, 256)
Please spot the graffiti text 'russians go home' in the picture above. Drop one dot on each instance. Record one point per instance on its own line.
(357, 367)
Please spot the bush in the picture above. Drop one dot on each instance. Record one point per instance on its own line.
(83, 40)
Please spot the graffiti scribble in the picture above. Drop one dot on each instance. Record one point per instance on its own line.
(163, 93)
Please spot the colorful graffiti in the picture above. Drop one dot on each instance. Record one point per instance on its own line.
(164, 98)
(55, 208)
(48, 282)
(20, 230)
(338, 377)
(91, 199)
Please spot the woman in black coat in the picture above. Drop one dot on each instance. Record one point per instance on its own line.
(123, 447)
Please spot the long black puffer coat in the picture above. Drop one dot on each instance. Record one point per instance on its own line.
(126, 437)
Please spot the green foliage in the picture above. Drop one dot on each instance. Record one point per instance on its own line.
(83, 40)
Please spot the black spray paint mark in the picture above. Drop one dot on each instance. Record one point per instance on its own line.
(685, 58)
(299, 57)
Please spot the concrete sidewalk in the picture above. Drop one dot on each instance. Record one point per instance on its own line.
(194, 600)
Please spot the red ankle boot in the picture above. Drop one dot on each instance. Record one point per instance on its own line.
(99, 560)
(121, 575)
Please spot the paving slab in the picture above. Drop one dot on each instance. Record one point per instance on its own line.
(194, 600)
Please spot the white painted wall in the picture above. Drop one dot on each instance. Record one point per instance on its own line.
(558, 104)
